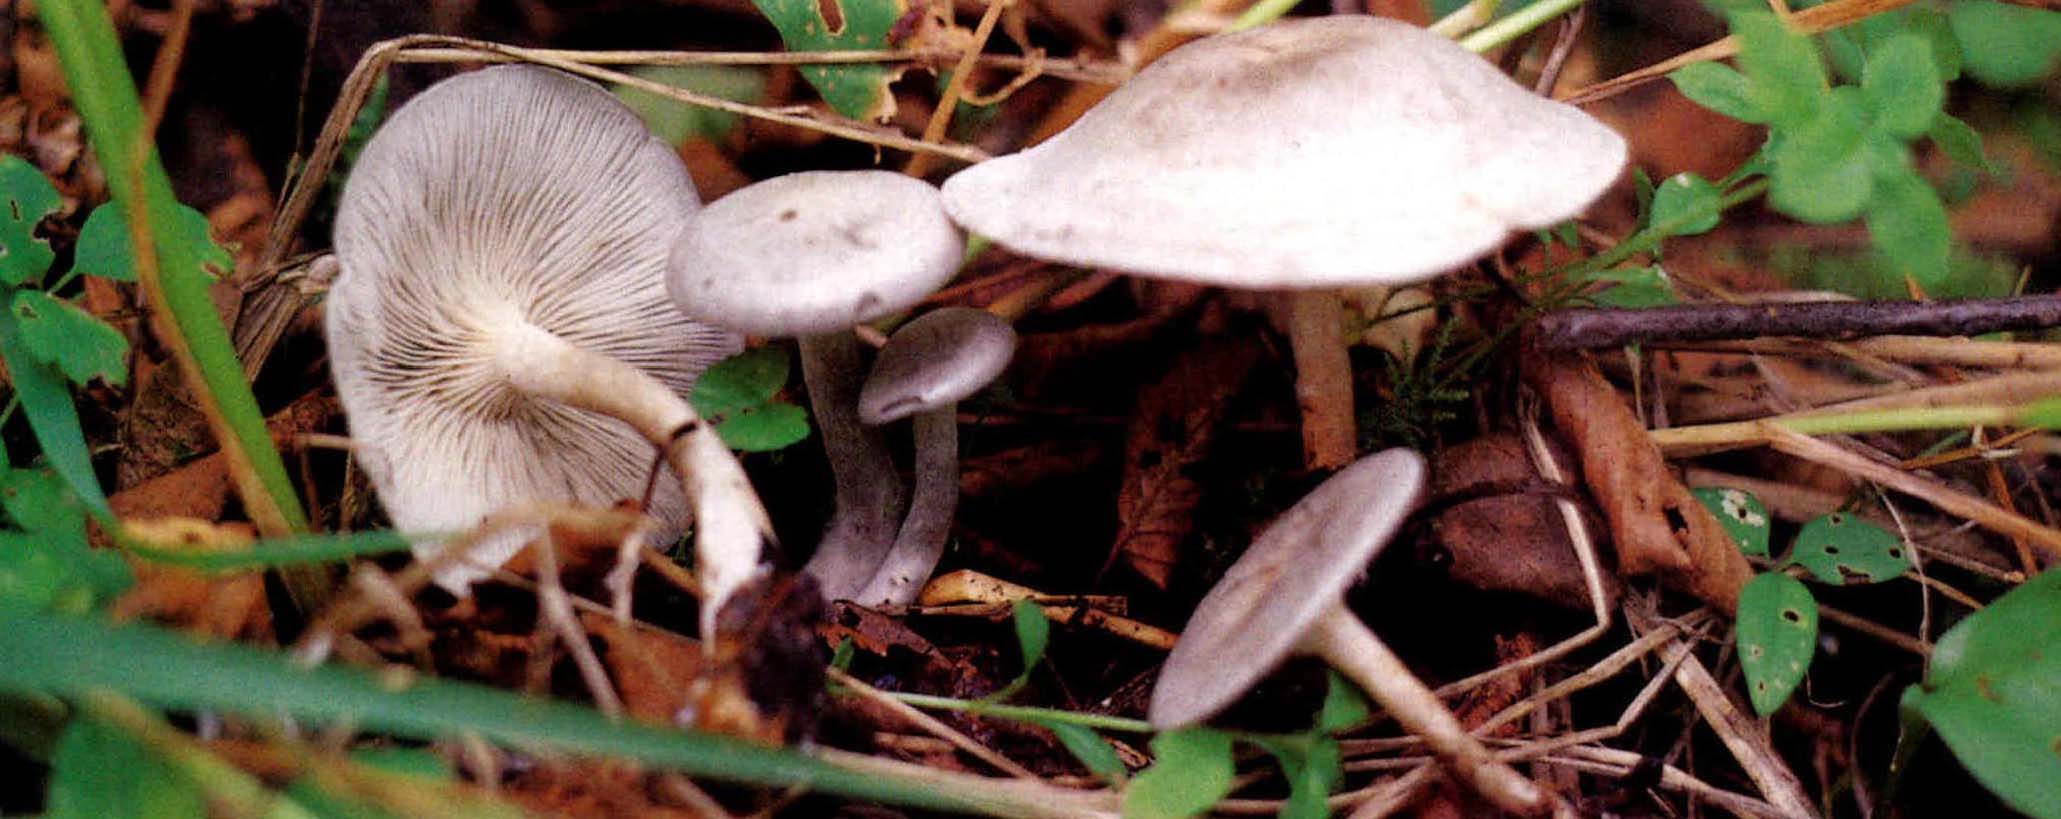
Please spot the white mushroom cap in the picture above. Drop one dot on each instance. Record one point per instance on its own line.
(1319, 152)
(1294, 574)
(814, 252)
(936, 361)
(499, 211)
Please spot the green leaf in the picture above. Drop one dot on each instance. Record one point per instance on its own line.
(1819, 171)
(1960, 142)
(26, 197)
(418, 762)
(1777, 632)
(740, 382)
(1932, 26)
(1094, 752)
(1345, 705)
(1840, 549)
(1908, 224)
(1720, 88)
(104, 248)
(1634, 288)
(36, 501)
(856, 90)
(2006, 45)
(1033, 632)
(1742, 515)
(1786, 81)
(1313, 766)
(1686, 204)
(766, 428)
(2044, 413)
(30, 576)
(72, 656)
(1993, 692)
(1191, 772)
(1902, 86)
(55, 530)
(74, 341)
(675, 121)
(48, 404)
(101, 771)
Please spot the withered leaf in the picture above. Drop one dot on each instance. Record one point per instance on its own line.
(1173, 428)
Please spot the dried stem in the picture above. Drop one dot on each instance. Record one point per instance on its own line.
(1599, 328)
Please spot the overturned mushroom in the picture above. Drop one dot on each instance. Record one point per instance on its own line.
(1315, 153)
(809, 255)
(926, 369)
(499, 334)
(1286, 596)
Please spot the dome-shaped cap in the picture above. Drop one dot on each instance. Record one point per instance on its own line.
(936, 361)
(1293, 574)
(1319, 152)
(495, 205)
(814, 252)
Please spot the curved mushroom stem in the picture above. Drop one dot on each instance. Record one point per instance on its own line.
(731, 529)
(869, 492)
(1349, 646)
(921, 543)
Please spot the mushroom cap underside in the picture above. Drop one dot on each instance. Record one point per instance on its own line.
(1319, 152)
(814, 252)
(1295, 572)
(507, 198)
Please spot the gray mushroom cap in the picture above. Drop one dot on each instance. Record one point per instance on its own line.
(1319, 152)
(936, 361)
(1296, 572)
(814, 252)
(509, 204)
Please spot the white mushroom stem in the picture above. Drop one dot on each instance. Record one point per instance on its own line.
(731, 527)
(1341, 640)
(1323, 377)
(869, 495)
(921, 543)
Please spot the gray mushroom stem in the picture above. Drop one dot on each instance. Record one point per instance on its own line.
(1349, 646)
(868, 493)
(731, 525)
(921, 543)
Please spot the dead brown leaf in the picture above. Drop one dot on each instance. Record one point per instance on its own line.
(1171, 430)
(200, 488)
(1658, 527)
(653, 669)
(226, 606)
(1510, 536)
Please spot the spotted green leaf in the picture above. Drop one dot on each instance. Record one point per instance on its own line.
(856, 90)
(1840, 549)
(1744, 517)
(1993, 691)
(74, 341)
(1778, 631)
(105, 250)
(26, 197)
(1191, 770)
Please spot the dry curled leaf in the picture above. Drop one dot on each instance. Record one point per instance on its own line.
(1507, 535)
(1171, 430)
(225, 606)
(1658, 527)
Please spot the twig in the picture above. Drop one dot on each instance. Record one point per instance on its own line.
(1598, 328)
(935, 726)
(1747, 742)
(1947, 500)
(948, 102)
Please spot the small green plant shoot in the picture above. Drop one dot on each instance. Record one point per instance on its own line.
(737, 395)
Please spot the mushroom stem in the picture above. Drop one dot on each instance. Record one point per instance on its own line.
(1323, 377)
(921, 543)
(1349, 646)
(869, 495)
(731, 527)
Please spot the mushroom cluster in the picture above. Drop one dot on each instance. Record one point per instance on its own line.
(500, 333)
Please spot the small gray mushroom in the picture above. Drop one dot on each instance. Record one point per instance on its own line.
(809, 255)
(926, 369)
(498, 332)
(1286, 596)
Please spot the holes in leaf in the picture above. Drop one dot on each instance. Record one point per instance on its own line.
(1792, 615)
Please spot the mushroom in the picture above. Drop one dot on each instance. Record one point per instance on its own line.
(810, 255)
(1313, 153)
(499, 334)
(1286, 596)
(926, 369)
